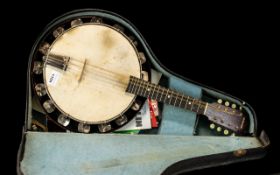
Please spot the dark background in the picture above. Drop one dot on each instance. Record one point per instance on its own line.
(227, 48)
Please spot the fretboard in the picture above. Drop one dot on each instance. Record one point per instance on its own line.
(146, 89)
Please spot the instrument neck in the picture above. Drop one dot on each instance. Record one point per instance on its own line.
(146, 89)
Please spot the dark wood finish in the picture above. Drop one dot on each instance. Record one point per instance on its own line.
(227, 117)
(146, 89)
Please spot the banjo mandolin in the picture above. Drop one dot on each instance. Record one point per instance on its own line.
(91, 77)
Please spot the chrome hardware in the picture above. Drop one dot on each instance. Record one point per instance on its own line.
(49, 106)
(82, 127)
(40, 89)
(63, 120)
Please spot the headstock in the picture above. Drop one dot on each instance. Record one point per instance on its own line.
(225, 116)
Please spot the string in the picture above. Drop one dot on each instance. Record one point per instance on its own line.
(101, 85)
(98, 72)
(60, 60)
(99, 77)
(138, 82)
(113, 81)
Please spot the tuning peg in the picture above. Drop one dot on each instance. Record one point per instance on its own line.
(227, 103)
(233, 106)
(226, 132)
(240, 108)
(219, 129)
(220, 101)
(212, 126)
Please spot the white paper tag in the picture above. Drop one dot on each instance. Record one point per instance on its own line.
(140, 121)
(53, 78)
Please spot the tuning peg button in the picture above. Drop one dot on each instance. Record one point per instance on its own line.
(233, 106)
(219, 129)
(227, 103)
(226, 132)
(212, 126)
(220, 101)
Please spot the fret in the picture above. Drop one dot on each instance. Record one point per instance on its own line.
(195, 105)
(175, 99)
(198, 106)
(140, 87)
(143, 92)
(148, 90)
(192, 104)
(137, 92)
(161, 94)
(171, 98)
(166, 95)
(157, 91)
(128, 88)
(181, 101)
(202, 107)
(177, 102)
(133, 85)
(187, 101)
(152, 87)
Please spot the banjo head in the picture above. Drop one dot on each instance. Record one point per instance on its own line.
(83, 74)
(101, 60)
